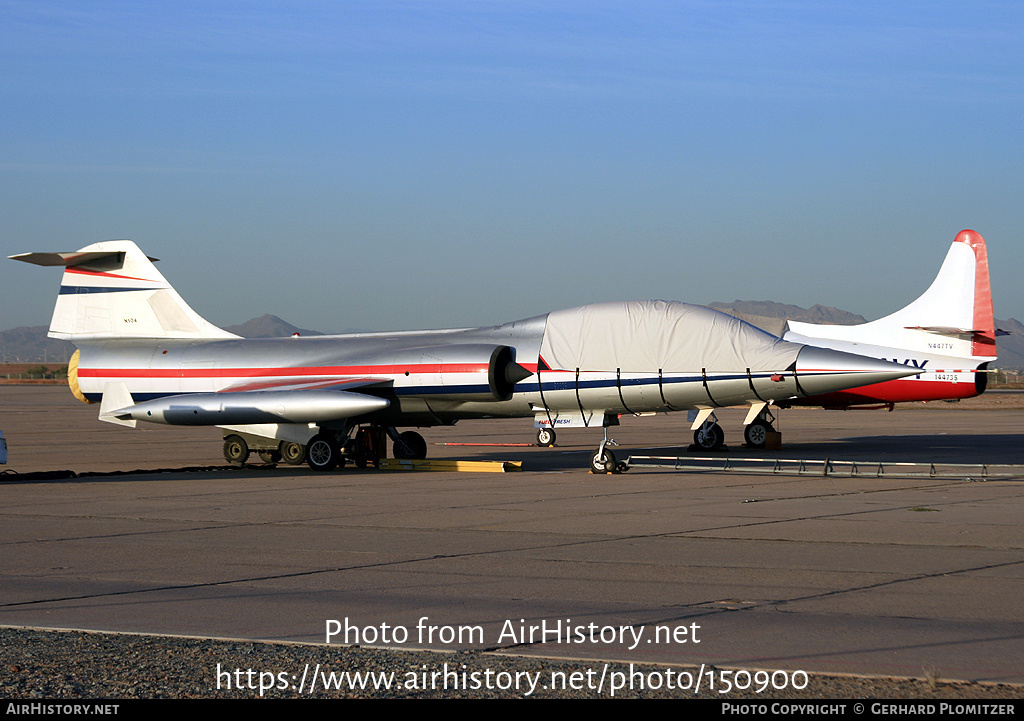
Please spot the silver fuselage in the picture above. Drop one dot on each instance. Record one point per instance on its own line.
(439, 377)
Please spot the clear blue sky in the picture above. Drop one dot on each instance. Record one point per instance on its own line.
(388, 165)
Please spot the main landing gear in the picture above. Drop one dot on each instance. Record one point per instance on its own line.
(408, 445)
(323, 453)
(327, 451)
(709, 437)
(707, 434)
(545, 437)
(755, 433)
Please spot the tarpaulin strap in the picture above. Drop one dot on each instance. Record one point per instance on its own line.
(578, 401)
(750, 379)
(704, 376)
(540, 388)
(796, 378)
(618, 384)
(661, 390)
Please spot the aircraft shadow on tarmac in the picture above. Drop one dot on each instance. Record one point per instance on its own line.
(935, 448)
(991, 449)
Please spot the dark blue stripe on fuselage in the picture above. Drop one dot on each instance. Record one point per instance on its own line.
(521, 387)
(570, 385)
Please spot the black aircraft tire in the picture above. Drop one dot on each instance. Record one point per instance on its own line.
(292, 453)
(323, 453)
(236, 450)
(414, 448)
(545, 438)
(709, 437)
(602, 462)
(755, 435)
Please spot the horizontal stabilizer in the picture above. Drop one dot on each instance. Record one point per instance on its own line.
(74, 259)
(943, 330)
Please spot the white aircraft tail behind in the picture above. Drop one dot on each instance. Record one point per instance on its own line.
(953, 318)
(112, 290)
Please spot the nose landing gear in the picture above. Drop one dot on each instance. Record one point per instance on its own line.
(545, 437)
(603, 461)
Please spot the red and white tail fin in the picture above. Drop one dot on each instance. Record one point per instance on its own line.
(954, 314)
(112, 290)
(984, 340)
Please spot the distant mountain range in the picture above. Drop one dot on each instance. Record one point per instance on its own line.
(268, 326)
(30, 344)
(772, 317)
(1011, 347)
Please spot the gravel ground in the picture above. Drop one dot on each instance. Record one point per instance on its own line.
(38, 664)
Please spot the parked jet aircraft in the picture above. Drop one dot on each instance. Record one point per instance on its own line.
(948, 333)
(145, 355)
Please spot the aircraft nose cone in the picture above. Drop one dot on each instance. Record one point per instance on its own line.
(822, 370)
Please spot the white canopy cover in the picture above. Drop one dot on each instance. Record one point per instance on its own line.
(653, 335)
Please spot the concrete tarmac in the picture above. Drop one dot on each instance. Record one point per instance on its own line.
(881, 576)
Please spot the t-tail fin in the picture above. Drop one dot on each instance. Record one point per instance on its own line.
(112, 290)
(955, 311)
